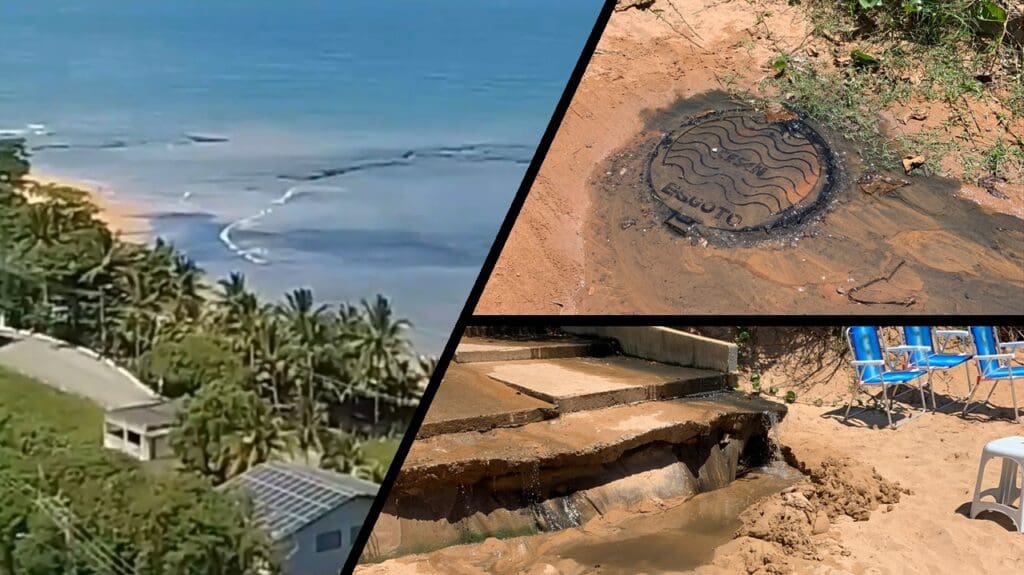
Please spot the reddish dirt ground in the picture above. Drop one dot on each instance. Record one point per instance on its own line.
(570, 251)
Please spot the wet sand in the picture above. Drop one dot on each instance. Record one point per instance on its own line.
(917, 249)
(590, 237)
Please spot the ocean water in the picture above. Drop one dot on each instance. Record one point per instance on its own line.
(350, 146)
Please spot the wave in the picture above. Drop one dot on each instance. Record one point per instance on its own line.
(255, 255)
(258, 255)
(28, 130)
(502, 153)
(469, 152)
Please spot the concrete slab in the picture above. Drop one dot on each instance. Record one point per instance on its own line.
(585, 438)
(473, 349)
(667, 345)
(577, 384)
(468, 400)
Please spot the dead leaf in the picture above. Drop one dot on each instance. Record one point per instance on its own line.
(911, 162)
(880, 184)
(777, 113)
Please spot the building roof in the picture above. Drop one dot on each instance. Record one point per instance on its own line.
(150, 416)
(286, 497)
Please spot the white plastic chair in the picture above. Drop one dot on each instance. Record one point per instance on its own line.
(1011, 450)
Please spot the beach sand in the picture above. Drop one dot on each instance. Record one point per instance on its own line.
(121, 216)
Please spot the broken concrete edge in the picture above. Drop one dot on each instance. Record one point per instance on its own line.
(667, 345)
(483, 423)
(416, 479)
(624, 396)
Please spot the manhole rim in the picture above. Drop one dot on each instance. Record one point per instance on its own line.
(792, 216)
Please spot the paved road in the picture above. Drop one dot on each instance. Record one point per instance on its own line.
(71, 371)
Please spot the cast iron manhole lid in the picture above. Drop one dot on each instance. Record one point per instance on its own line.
(739, 170)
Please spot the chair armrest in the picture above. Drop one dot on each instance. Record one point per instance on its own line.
(995, 356)
(908, 348)
(1012, 344)
(859, 363)
(953, 332)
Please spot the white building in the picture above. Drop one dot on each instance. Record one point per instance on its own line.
(141, 431)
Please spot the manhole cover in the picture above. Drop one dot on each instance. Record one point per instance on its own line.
(739, 171)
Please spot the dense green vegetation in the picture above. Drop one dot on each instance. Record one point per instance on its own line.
(69, 506)
(274, 372)
(957, 63)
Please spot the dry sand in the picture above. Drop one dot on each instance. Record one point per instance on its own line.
(893, 501)
(565, 256)
(120, 215)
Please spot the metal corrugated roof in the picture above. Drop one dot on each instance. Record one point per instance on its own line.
(287, 497)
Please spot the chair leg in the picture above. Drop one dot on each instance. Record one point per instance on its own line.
(1020, 502)
(991, 392)
(970, 396)
(931, 388)
(924, 402)
(1016, 412)
(975, 502)
(887, 403)
(849, 404)
(1007, 482)
(967, 375)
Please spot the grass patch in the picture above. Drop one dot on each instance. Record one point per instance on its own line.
(941, 56)
(381, 450)
(35, 405)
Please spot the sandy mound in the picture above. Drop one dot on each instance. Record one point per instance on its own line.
(795, 523)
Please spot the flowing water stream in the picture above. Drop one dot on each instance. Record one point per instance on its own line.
(685, 536)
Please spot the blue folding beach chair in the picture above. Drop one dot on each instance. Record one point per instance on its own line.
(994, 366)
(924, 337)
(869, 359)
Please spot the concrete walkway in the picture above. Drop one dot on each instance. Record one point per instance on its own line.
(508, 383)
(71, 370)
(470, 400)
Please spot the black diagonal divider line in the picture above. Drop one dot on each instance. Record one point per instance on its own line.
(474, 295)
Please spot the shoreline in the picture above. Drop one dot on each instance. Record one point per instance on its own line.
(124, 218)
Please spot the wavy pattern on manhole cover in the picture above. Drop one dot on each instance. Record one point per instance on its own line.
(737, 170)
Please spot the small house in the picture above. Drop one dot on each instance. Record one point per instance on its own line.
(313, 515)
(141, 431)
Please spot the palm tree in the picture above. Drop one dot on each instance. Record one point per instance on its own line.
(272, 367)
(141, 309)
(310, 421)
(381, 345)
(186, 302)
(261, 438)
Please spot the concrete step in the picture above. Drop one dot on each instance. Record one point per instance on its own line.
(468, 400)
(474, 349)
(576, 440)
(577, 384)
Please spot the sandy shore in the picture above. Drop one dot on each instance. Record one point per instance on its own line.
(122, 216)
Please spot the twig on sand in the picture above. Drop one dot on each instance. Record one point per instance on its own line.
(680, 14)
(907, 301)
(657, 14)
